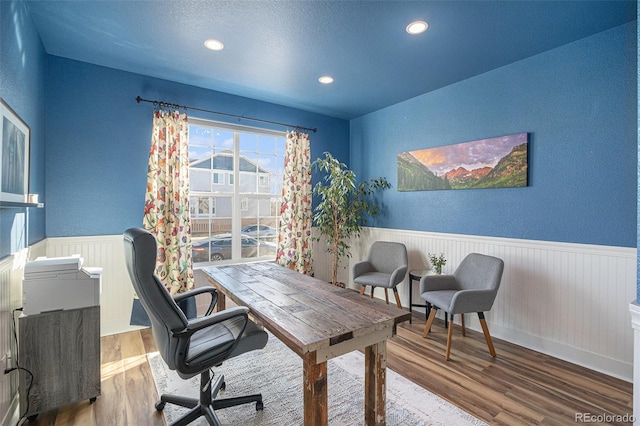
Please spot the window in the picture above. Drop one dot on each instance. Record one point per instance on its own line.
(218, 178)
(202, 207)
(236, 185)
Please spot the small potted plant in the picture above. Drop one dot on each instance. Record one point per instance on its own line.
(437, 262)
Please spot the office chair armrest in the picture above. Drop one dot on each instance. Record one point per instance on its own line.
(477, 300)
(398, 275)
(196, 324)
(438, 282)
(361, 268)
(200, 290)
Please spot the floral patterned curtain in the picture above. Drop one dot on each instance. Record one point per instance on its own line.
(166, 210)
(294, 240)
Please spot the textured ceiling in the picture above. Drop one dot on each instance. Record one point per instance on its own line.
(276, 50)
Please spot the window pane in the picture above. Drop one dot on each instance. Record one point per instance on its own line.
(248, 142)
(210, 228)
(213, 186)
(266, 143)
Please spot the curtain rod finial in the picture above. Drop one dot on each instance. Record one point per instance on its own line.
(138, 99)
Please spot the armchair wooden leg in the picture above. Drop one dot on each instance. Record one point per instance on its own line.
(449, 336)
(386, 295)
(372, 288)
(462, 319)
(395, 293)
(362, 289)
(487, 336)
(432, 316)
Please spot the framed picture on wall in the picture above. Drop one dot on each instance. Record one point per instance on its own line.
(14, 155)
(499, 162)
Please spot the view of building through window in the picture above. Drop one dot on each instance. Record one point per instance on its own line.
(235, 178)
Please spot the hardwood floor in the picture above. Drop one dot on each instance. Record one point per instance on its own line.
(519, 387)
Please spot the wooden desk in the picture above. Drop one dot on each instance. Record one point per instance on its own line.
(318, 322)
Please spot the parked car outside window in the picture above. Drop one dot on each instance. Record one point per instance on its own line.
(260, 231)
(219, 248)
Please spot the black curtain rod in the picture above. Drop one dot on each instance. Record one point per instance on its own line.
(241, 117)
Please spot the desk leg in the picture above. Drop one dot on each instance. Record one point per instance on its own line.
(221, 304)
(315, 391)
(375, 372)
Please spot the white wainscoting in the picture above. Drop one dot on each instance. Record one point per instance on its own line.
(11, 273)
(8, 287)
(106, 252)
(570, 301)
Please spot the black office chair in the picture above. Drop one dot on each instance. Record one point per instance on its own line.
(190, 346)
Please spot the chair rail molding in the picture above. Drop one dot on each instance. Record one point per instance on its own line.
(566, 300)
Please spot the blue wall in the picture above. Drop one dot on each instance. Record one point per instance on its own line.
(98, 141)
(578, 102)
(23, 64)
(579, 105)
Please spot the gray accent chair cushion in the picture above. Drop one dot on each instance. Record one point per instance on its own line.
(472, 288)
(385, 266)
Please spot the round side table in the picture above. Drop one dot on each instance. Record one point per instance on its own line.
(416, 275)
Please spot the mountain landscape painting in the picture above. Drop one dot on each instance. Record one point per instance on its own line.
(500, 162)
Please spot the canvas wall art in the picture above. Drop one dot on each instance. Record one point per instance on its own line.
(499, 162)
(14, 155)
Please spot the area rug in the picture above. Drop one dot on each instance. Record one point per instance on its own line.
(276, 372)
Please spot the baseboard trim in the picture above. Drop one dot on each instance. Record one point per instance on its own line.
(593, 361)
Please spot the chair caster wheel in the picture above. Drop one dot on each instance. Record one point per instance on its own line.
(223, 386)
(259, 406)
(160, 405)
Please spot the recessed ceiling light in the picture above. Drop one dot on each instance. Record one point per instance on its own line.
(213, 44)
(326, 79)
(417, 27)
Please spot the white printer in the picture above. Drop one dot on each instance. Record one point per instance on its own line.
(58, 283)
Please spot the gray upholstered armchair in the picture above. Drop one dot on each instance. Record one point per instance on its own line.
(385, 266)
(472, 288)
(190, 346)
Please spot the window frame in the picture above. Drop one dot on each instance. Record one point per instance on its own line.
(239, 200)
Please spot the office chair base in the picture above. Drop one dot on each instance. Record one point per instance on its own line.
(207, 404)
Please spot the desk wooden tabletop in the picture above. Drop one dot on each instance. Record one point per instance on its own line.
(305, 313)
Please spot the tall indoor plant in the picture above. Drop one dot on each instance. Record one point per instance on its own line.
(343, 208)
